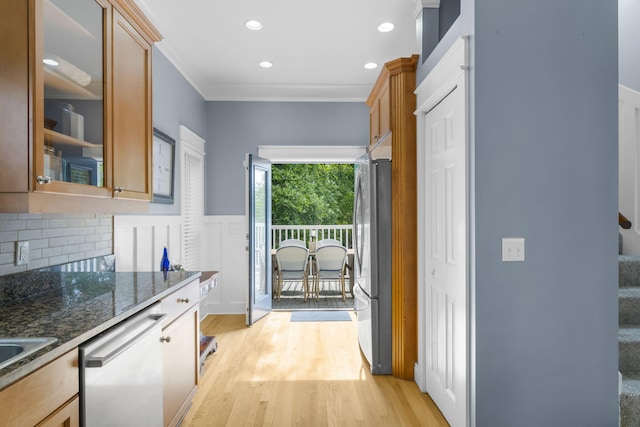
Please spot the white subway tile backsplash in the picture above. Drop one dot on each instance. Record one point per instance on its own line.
(62, 259)
(30, 234)
(52, 252)
(6, 258)
(58, 241)
(102, 245)
(38, 223)
(71, 249)
(50, 232)
(38, 244)
(54, 239)
(30, 216)
(92, 222)
(61, 223)
(75, 240)
(91, 238)
(13, 225)
(8, 236)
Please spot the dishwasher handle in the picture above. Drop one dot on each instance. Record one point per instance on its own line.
(99, 361)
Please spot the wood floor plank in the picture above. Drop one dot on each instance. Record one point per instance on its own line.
(282, 373)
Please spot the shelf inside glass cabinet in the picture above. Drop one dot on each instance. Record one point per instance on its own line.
(53, 137)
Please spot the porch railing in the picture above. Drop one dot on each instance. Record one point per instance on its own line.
(308, 233)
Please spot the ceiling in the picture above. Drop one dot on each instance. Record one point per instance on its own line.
(318, 49)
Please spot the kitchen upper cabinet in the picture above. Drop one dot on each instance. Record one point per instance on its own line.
(392, 104)
(380, 114)
(132, 122)
(76, 109)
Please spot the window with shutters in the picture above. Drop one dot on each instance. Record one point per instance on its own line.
(192, 162)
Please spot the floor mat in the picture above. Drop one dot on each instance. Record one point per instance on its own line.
(320, 316)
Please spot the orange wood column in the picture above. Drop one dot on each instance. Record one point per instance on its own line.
(400, 78)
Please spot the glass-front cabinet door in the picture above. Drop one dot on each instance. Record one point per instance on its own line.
(69, 145)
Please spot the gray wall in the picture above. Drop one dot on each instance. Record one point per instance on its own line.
(463, 25)
(236, 128)
(629, 16)
(545, 168)
(175, 102)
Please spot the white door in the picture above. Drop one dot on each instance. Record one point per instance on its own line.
(259, 238)
(445, 256)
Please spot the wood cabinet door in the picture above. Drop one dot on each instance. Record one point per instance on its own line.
(374, 124)
(180, 365)
(66, 416)
(132, 127)
(384, 110)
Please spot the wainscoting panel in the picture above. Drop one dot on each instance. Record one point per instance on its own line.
(629, 167)
(139, 241)
(224, 250)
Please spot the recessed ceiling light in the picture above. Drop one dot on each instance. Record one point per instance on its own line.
(51, 62)
(253, 25)
(370, 65)
(385, 27)
(266, 64)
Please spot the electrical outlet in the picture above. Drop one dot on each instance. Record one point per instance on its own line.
(513, 249)
(22, 253)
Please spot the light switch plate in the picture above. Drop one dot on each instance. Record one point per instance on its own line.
(513, 249)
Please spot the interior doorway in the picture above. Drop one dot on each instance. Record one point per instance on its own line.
(312, 193)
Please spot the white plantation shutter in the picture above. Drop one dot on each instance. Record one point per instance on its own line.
(192, 197)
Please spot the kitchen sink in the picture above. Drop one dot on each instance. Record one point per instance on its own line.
(14, 349)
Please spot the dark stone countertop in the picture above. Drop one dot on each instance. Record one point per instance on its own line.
(74, 307)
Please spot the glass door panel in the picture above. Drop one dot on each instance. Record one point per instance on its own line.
(73, 71)
(259, 238)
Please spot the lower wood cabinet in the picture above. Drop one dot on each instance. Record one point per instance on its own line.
(47, 397)
(66, 416)
(180, 352)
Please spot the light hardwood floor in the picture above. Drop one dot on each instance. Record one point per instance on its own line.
(282, 373)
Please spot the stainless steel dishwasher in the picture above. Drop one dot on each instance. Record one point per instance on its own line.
(121, 374)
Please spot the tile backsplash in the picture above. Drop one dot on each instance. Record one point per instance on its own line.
(53, 239)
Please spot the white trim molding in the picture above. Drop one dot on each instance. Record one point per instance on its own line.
(311, 154)
(425, 4)
(192, 140)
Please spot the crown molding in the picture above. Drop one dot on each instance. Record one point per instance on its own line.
(425, 4)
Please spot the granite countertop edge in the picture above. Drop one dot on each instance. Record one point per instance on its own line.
(55, 350)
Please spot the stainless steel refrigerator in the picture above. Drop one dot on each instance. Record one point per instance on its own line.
(372, 261)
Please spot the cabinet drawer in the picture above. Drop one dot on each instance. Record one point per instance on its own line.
(33, 398)
(180, 301)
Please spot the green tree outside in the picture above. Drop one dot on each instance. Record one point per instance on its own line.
(312, 194)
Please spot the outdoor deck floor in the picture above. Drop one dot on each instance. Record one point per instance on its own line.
(291, 298)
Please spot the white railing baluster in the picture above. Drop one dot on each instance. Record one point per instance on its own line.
(343, 233)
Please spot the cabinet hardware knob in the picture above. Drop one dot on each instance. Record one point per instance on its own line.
(165, 339)
(183, 300)
(43, 179)
(118, 189)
